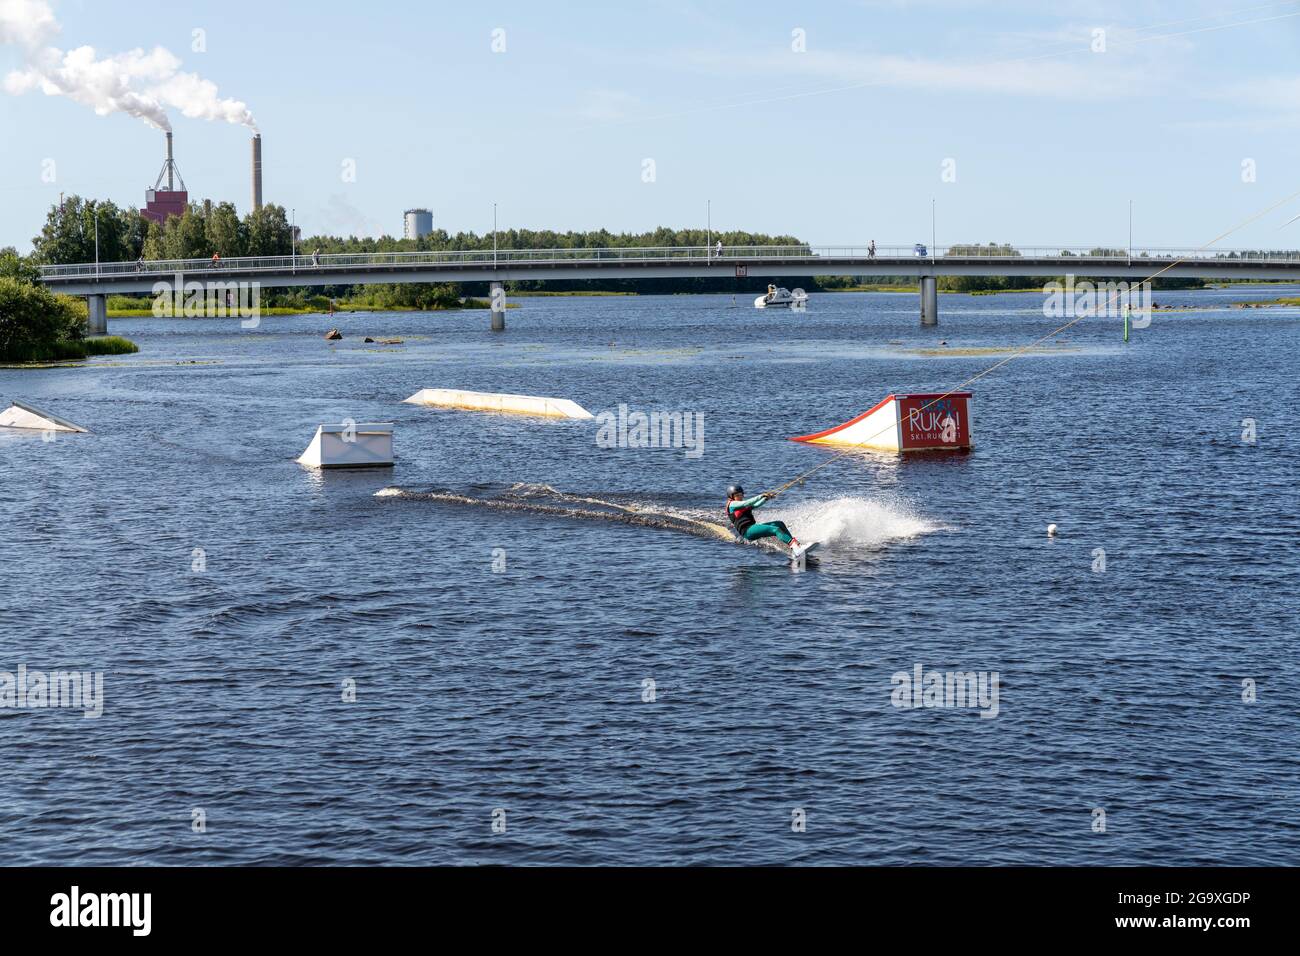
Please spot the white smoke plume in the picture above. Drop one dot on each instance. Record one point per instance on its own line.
(140, 84)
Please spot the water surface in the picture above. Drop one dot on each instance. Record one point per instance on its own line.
(522, 689)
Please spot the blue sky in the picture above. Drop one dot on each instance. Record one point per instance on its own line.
(840, 143)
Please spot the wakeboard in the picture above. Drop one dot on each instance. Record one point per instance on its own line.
(797, 555)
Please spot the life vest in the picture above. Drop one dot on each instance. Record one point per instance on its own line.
(741, 519)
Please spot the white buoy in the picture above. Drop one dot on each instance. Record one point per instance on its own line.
(1051, 531)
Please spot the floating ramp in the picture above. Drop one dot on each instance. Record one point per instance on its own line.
(499, 402)
(22, 415)
(930, 421)
(351, 445)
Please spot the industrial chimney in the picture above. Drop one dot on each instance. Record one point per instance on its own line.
(257, 170)
(171, 163)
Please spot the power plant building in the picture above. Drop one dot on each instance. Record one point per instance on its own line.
(161, 203)
(419, 223)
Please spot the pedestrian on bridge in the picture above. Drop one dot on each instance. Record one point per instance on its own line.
(871, 249)
(216, 260)
(718, 252)
(315, 258)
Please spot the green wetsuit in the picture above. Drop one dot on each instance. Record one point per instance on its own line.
(741, 515)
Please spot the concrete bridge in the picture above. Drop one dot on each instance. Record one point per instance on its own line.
(96, 281)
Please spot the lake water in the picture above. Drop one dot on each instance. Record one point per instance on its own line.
(500, 614)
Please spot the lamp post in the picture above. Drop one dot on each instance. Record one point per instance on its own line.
(494, 235)
(293, 241)
(708, 227)
(933, 232)
(1130, 232)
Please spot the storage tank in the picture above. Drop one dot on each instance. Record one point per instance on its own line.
(419, 222)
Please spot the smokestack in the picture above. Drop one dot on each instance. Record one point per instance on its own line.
(257, 169)
(171, 164)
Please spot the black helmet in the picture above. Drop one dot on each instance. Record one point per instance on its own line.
(734, 490)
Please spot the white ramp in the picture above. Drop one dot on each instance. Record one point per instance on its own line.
(22, 415)
(351, 445)
(926, 421)
(499, 402)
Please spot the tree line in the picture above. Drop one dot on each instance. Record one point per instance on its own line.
(208, 228)
(76, 229)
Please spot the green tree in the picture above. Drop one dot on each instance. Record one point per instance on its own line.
(64, 237)
(225, 233)
(975, 249)
(68, 235)
(154, 242)
(17, 267)
(185, 237)
(268, 232)
(33, 320)
(134, 228)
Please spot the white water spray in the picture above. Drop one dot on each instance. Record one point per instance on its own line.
(849, 521)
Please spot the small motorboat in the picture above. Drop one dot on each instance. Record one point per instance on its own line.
(777, 298)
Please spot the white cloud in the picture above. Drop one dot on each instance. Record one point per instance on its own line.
(136, 83)
(105, 85)
(27, 23)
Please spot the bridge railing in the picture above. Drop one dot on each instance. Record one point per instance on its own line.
(837, 257)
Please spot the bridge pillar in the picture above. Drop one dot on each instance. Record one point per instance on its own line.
(97, 315)
(498, 307)
(929, 300)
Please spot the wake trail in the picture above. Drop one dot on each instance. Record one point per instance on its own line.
(545, 500)
(849, 522)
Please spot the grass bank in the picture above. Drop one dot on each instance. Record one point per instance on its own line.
(1271, 303)
(122, 307)
(539, 293)
(872, 288)
(65, 350)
